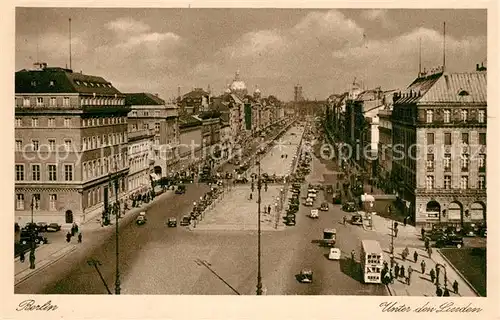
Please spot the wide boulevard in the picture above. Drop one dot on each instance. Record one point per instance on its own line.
(156, 259)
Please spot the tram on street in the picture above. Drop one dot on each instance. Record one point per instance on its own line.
(372, 261)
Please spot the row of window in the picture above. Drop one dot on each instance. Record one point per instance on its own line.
(53, 101)
(94, 142)
(144, 113)
(138, 181)
(20, 201)
(51, 172)
(464, 162)
(145, 126)
(464, 116)
(92, 122)
(464, 182)
(139, 163)
(51, 145)
(35, 122)
(139, 148)
(464, 138)
(53, 122)
(98, 167)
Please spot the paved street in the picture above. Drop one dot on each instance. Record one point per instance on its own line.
(156, 259)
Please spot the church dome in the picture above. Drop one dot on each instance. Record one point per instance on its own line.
(238, 86)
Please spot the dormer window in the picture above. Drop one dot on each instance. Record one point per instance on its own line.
(463, 93)
(85, 84)
(78, 82)
(91, 84)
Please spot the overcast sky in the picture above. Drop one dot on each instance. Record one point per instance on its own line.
(157, 50)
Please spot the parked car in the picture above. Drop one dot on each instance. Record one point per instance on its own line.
(305, 276)
(337, 198)
(309, 202)
(314, 214)
(42, 226)
(140, 220)
(172, 222)
(349, 206)
(53, 227)
(290, 220)
(26, 238)
(450, 241)
(181, 189)
(186, 220)
(357, 219)
(324, 206)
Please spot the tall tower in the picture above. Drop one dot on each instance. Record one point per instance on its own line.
(298, 93)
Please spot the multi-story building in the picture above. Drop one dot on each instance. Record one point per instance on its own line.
(439, 136)
(71, 138)
(190, 147)
(148, 111)
(194, 102)
(140, 147)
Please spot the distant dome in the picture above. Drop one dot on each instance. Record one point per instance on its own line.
(257, 90)
(228, 90)
(238, 86)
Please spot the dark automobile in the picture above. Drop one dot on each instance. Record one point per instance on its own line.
(241, 180)
(305, 276)
(290, 220)
(26, 238)
(450, 241)
(436, 234)
(140, 220)
(357, 219)
(53, 227)
(337, 198)
(324, 206)
(349, 206)
(181, 189)
(186, 220)
(42, 226)
(172, 222)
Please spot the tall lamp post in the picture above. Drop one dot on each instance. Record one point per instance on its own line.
(113, 180)
(438, 266)
(32, 233)
(259, 187)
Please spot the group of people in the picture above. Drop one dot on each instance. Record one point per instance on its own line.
(75, 230)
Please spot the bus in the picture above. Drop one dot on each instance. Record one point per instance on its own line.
(372, 261)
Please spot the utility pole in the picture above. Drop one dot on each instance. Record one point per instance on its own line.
(32, 227)
(259, 187)
(117, 281)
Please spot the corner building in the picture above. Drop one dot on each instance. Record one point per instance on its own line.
(71, 136)
(444, 178)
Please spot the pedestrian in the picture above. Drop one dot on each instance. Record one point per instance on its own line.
(422, 232)
(439, 291)
(396, 270)
(446, 292)
(22, 257)
(402, 271)
(415, 256)
(68, 237)
(269, 209)
(422, 266)
(404, 221)
(427, 244)
(76, 228)
(251, 196)
(79, 237)
(410, 270)
(395, 232)
(455, 287)
(437, 274)
(353, 256)
(429, 251)
(432, 273)
(344, 219)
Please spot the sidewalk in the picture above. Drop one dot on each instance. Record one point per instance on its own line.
(50, 253)
(421, 285)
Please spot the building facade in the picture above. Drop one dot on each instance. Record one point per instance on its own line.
(194, 102)
(443, 178)
(71, 139)
(141, 161)
(148, 111)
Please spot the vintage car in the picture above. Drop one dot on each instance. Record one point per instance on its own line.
(305, 276)
(186, 220)
(357, 219)
(140, 220)
(324, 206)
(314, 214)
(309, 202)
(290, 220)
(181, 189)
(450, 241)
(172, 222)
(334, 254)
(53, 227)
(349, 206)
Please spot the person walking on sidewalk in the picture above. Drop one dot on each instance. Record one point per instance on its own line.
(344, 220)
(422, 266)
(429, 251)
(404, 221)
(422, 232)
(439, 291)
(22, 257)
(415, 256)
(410, 270)
(432, 273)
(455, 287)
(79, 237)
(68, 237)
(396, 271)
(402, 271)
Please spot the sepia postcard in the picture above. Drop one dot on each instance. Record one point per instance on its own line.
(331, 156)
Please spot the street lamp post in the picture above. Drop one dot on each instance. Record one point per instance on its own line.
(438, 265)
(32, 244)
(259, 187)
(117, 280)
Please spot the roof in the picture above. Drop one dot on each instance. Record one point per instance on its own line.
(196, 93)
(60, 80)
(468, 87)
(371, 246)
(418, 88)
(366, 95)
(143, 99)
(186, 121)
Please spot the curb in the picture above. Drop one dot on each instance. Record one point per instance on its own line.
(459, 274)
(46, 265)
